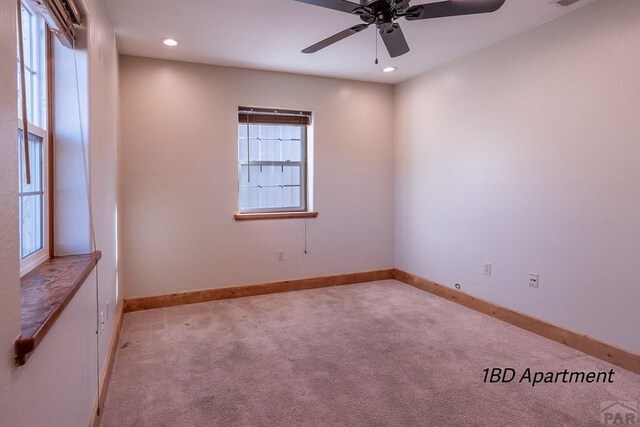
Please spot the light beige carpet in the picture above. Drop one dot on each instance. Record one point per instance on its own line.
(374, 354)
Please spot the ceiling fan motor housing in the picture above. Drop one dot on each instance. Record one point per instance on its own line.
(382, 13)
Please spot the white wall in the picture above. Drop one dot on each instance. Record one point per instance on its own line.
(103, 148)
(525, 155)
(57, 386)
(179, 178)
(71, 219)
(9, 264)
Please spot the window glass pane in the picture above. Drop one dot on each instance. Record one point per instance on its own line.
(273, 181)
(29, 88)
(270, 197)
(26, 37)
(31, 196)
(249, 197)
(33, 36)
(291, 175)
(291, 196)
(292, 150)
(253, 130)
(270, 149)
(19, 90)
(31, 238)
(35, 161)
(270, 187)
(253, 145)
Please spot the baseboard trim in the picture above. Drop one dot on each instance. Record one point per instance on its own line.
(182, 298)
(607, 352)
(108, 369)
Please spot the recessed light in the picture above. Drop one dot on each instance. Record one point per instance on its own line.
(170, 42)
(389, 69)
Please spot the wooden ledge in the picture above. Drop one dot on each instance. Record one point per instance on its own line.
(44, 293)
(274, 215)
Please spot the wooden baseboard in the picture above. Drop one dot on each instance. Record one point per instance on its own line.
(609, 353)
(108, 369)
(193, 297)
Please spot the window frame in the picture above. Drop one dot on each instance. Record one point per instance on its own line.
(41, 255)
(304, 182)
(43, 118)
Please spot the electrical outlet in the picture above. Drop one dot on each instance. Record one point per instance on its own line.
(101, 322)
(487, 269)
(280, 255)
(533, 280)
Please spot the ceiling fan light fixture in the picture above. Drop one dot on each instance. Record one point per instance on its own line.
(389, 69)
(171, 42)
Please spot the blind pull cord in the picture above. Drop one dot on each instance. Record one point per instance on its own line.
(23, 91)
(305, 236)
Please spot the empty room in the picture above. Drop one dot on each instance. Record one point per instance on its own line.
(319, 213)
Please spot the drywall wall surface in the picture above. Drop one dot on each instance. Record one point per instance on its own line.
(525, 155)
(58, 384)
(180, 178)
(103, 149)
(9, 263)
(71, 141)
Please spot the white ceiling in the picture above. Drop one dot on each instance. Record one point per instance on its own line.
(269, 35)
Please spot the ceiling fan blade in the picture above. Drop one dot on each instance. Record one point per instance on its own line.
(341, 5)
(452, 8)
(394, 40)
(335, 38)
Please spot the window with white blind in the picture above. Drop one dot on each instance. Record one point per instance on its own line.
(272, 160)
(33, 162)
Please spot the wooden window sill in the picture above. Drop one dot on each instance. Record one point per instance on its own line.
(44, 293)
(274, 215)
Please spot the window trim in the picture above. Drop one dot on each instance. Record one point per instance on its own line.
(274, 215)
(38, 257)
(304, 178)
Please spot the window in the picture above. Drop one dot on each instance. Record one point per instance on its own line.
(34, 42)
(272, 160)
(33, 200)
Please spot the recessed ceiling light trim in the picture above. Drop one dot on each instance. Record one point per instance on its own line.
(389, 69)
(170, 41)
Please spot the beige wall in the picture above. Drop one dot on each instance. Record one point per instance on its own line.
(525, 155)
(57, 386)
(179, 178)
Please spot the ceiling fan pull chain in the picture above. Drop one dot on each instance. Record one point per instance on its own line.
(375, 33)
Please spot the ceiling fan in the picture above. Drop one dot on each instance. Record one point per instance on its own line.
(384, 13)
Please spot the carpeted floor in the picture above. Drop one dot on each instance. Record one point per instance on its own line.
(374, 354)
